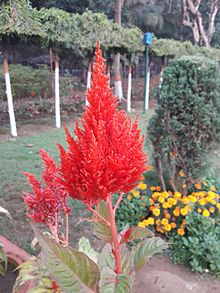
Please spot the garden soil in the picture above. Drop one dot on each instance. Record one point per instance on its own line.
(161, 276)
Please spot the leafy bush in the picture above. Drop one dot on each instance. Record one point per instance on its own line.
(133, 207)
(187, 121)
(199, 249)
(27, 82)
(191, 222)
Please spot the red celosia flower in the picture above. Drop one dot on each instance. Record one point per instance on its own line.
(107, 156)
(46, 202)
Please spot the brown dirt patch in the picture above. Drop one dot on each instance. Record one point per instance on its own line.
(161, 276)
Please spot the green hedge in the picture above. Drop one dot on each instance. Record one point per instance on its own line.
(187, 122)
(27, 82)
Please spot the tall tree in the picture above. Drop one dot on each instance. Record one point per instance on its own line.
(201, 23)
(17, 18)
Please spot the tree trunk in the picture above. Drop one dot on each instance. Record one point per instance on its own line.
(51, 71)
(193, 19)
(13, 55)
(57, 91)
(116, 66)
(9, 94)
(159, 170)
(129, 88)
(88, 82)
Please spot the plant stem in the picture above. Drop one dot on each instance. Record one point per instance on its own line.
(118, 201)
(116, 250)
(98, 215)
(67, 229)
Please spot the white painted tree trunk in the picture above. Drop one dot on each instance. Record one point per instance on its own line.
(118, 89)
(147, 92)
(88, 81)
(57, 92)
(129, 90)
(117, 77)
(9, 95)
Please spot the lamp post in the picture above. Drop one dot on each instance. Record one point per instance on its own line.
(147, 40)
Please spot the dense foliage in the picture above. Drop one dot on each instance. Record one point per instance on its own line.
(27, 82)
(186, 123)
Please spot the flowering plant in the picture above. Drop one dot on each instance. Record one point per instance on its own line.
(106, 157)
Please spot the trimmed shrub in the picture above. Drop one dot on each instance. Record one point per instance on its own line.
(27, 82)
(187, 122)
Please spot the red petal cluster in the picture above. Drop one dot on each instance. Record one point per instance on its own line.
(107, 155)
(46, 202)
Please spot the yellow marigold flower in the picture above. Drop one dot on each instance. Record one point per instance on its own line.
(142, 186)
(212, 210)
(183, 211)
(199, 210)
(182, 174)
(184, 200)
(129, 197)
(211, 194)
(184, 186)
(158, 188)
(167, 216)
(202, 201)
(158, 222)
(146, 222)
(164, 205)
(172, 201)
(176, 213)
(158, 228)
(173, 225)
(206, 213)
(177, 194)
(136, 193)
(198, 185)
(212, 188)
(151, 221)
(169, 205)
(192, 198)
(161, 199)
(152, 188)
(141, 225)
(213, 202)
(149, 168)
(180, 231)
(166, 194)
(218, 205)
(156, 212)
(167, 227)
(164, 221)
(151, 201)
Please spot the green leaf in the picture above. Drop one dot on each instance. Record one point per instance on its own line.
(85, 246)
(146, 249)
(3, 260)
(140, 233)
(102, 231)
(107, 259)
(40, 290)
(73, 271)
(110, 282)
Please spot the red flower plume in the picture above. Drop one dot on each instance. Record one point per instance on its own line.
(107, 155)
(48, 199)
